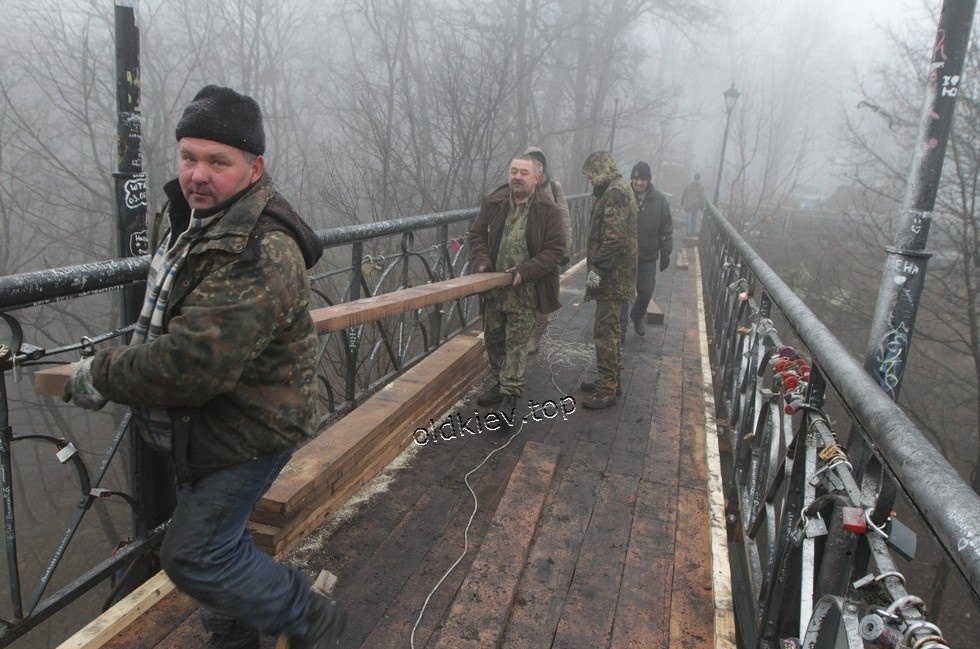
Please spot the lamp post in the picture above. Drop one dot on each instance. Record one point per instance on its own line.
(731, 96)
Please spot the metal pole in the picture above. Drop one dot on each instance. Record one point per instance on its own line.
(151, 473)
(721, 163)
(905, 265)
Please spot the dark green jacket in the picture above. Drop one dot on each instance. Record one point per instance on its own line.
(611, 249)
(234, 366)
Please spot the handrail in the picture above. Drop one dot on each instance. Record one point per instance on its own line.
(807, 522)
(946, 502)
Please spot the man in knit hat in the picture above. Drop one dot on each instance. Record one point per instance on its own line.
(553, 187)
(611, 279)
(220, 372)
(654, 239)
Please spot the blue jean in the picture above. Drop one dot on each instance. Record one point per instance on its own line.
(208, 550)
(692, 222)
(646, 281)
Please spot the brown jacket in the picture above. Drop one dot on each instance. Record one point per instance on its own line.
(545, 242)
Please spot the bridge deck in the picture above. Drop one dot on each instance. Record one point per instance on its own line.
(620, 555)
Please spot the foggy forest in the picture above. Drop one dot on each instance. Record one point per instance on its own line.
(379, 109)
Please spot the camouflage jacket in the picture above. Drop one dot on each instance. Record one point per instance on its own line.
(234, 366)
(611, 249)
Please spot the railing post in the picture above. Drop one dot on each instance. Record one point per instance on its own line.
(353, 334)
(905, 266)
(151, 474)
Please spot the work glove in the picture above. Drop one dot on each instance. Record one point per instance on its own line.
(80, 390)
(664, 262)
(592, 280)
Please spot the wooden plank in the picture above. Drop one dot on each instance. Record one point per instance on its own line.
(654, 314)
(479, 612)
(692, 612)
(299, 507)
(555, 553)
(642, 618)
(349, 314)
(51, 380)
(97, 632)
(394, 626)
(308, 468)
(663, 457)
(155, 624)
(587, 617)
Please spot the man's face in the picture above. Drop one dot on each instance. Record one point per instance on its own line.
(640, 185)
(210, 172)
(523, 178)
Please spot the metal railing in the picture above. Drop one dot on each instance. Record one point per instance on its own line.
(44, 308)
(812, 531)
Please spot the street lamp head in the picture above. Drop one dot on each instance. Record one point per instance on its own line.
(731, 96)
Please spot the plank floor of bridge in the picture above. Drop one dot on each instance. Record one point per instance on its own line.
(621, 556)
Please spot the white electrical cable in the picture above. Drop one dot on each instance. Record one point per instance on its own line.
(466, 531)
(561, 354)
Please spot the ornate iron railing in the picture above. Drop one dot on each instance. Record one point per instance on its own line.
(811, 530)
(42, 308)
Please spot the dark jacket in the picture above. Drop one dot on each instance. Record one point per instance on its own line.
(545, 242)
(235, 364)
(654, 226)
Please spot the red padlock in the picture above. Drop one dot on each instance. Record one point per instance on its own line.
(782, 365)
(793, 406)
(854, 520)
(790, 381)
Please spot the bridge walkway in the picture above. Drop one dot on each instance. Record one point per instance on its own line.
(614, 526)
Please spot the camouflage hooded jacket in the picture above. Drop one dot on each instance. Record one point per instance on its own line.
(611, 248)
(234, 366)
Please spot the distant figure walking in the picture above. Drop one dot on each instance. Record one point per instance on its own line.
(654, 239)
(693, 202)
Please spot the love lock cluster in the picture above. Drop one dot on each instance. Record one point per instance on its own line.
(792, 375)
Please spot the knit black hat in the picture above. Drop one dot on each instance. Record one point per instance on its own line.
(222, 115)
(641, 170)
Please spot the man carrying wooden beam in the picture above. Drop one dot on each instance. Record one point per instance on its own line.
(517, 230)
(220, 372)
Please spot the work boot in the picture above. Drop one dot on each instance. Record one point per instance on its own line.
(509, 406)
(639, 327)
(325, 625)
(600, 400)
(588, 387)
(491, 397)
(239, 636)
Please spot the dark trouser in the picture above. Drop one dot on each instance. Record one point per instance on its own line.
(208, 551)
(608, 346)
(505, 335)
(646, 281)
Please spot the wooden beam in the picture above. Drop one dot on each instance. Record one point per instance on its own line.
(370, 309)
(654, 314)
(497, 568)
(51, 380)
(103, 628)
